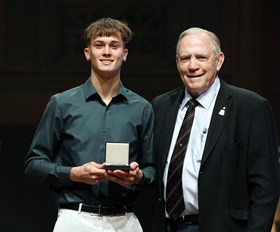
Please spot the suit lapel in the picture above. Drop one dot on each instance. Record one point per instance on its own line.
(170, 120)
(218, 120)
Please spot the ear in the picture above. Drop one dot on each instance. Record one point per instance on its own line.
(86, 53)
(220, 60)
(125, 54)
(177, 61)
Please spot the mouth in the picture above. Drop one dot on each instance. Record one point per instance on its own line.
(195, 76)
(106, 61)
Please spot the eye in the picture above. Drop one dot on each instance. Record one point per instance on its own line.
(184, 59)
(115, 45)
(98, 45)
(202, 58)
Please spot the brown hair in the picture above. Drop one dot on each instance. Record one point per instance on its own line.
(108, 27)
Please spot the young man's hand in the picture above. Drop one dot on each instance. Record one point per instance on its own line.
(124, 178)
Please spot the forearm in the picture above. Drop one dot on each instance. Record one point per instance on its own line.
(43, 171)
(149, 177)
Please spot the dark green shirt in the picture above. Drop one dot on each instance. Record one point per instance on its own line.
(73, 130)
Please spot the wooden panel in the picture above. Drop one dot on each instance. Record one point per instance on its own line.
(21, 107)
(41, 50)
(2, 28)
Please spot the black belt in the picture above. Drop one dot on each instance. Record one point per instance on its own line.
(101, 210)
(186, 219)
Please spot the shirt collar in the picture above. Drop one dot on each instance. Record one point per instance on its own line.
(205, 98)
(90, 91)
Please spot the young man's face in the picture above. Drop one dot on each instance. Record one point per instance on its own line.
(106, 55)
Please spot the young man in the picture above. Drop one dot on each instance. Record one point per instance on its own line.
(229, 179)
(68, 149)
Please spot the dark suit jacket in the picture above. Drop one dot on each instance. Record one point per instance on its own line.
(238, 183)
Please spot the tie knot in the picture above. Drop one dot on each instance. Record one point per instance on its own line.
(193, 103)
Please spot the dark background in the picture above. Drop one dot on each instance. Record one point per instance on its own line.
(41, 53)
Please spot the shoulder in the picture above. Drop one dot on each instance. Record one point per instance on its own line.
(61, 101)
(136, 104)
(67, 95)
(135, 98)
(169, 96)
(244, 99)
(241, 94)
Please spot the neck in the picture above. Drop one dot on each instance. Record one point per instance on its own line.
(107, 88)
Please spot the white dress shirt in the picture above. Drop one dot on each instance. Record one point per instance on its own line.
(201, 122)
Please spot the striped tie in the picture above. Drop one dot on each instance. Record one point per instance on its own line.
(174, 190)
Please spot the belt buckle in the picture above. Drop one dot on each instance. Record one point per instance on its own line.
(80, 208)
(99, 210)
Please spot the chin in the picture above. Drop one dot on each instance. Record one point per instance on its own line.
(195, 90)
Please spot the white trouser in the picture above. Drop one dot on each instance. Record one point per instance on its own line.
(73, 221)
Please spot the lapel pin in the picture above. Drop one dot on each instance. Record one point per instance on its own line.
(222, 111)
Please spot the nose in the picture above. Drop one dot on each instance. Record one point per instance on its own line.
(192, 63)
(106, 50)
